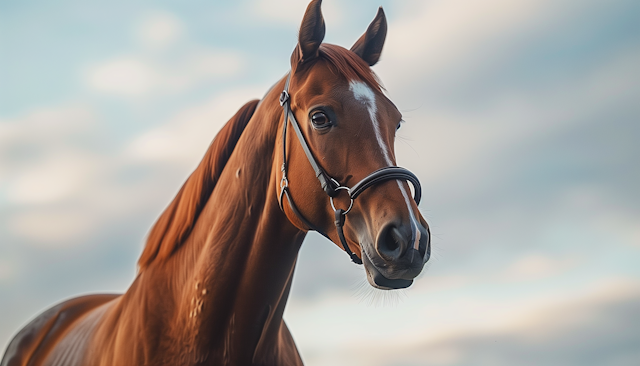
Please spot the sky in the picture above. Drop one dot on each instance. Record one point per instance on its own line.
(522, 123)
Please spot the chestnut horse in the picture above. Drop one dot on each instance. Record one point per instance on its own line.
(217, 267)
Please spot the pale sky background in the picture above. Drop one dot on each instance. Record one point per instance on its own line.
(523, 124)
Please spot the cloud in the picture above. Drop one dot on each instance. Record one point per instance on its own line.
(37, 155)
(54, 227)
(625, 227)
(536, 266)
(596, 330)
(52, 179)
(7, 270)
(135, 76)
(592, 325)
(48, 164)
(60, 189)
(568, 165)
(159, 29)
(186, 136)
(127, 76)
(531, 164)
(449, 32)
(289, 12)
(337, 274)
(458, 133)
(167, 64)
(45, 124)
(520, 270)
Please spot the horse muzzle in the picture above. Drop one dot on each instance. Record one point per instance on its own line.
(398, 255)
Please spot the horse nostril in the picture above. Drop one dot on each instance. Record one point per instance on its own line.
(391, 244)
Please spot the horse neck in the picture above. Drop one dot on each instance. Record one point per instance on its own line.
(234, 271)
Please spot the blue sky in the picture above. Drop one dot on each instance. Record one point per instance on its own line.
(523, 122)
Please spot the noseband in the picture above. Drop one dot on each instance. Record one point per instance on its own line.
(331, 186)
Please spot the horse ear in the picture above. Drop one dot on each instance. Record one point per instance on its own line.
(311, 34)
(369, 46)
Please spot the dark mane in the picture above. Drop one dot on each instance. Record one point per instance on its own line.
(177, 220)
(345, 63)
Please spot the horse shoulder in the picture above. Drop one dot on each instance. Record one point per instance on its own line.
(34, 342)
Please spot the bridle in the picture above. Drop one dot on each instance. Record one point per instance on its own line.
(331, 186)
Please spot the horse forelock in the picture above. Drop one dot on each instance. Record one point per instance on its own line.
(176, 222)
(346, 63)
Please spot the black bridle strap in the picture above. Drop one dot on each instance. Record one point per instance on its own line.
(340, 216)
(297, 212)
(330, 185)
(284, 184)
(384, 174)
(339, 222)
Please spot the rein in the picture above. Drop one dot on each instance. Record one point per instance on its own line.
(331, 186)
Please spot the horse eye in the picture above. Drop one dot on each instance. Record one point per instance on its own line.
(320, 120)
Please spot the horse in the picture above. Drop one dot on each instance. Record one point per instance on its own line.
(216, 271)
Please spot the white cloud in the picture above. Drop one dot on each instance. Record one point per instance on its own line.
(592, 328)
(290, 12)
(432, 36)
(624, 228)
(47, 167)
(431, 44)
(55, 227)
(608, 221)
(7, 270)
(536, 266)
(524, 269)
(142, 76)
(432, 39)
(430, 321)
(52, 179)
(127, 76)
(168, 63)
(40, 159)
(64, 191)
(453, 139)
(187, 135)
(159, 29)
(46, 124)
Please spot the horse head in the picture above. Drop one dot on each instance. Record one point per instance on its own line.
(348, 127)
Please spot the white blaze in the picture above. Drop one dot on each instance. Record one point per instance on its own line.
(363, 93)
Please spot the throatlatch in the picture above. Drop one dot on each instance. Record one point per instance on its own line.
(330, 185)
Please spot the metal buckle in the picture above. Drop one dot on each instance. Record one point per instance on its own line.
(284, 97)
(350, 204)
(284, 182)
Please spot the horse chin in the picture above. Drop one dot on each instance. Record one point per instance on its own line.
(378, 280)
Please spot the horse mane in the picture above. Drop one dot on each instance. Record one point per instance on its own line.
(344, 62)
(177, 220)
